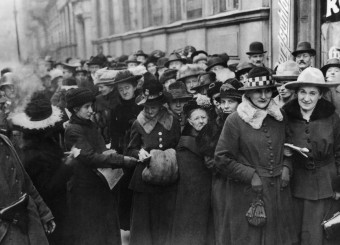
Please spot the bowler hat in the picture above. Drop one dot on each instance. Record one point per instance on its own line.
(38, 115)
(152, 91)
(205, 79)
(258, 78)
(287, 71)
(256, 48)
(311, 77)
(214, 61)
(330, 63)
(179, 91)
(175, 57)
(304, 47)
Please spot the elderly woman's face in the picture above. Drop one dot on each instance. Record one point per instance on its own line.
(9, 91)
(333, 74)
(198, 119)
(152, 111)
(191, 82)
(308, 97)
(260, 97)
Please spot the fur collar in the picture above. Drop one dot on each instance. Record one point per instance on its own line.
(323, 109)
(163, 117)
(255, 116)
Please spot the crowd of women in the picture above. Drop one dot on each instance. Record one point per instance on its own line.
(183, 149)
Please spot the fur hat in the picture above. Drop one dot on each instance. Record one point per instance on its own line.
(78, 97)
(168, 74)
(199, 56)
(152, 91)
(189, 70)
(38, 115)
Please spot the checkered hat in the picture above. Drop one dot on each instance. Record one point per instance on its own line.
(259, 78)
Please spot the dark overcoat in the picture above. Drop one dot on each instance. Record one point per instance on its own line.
(193, 213)
(14, 182)
(93, 207)
(153, 206)
(315, 178)
(242, 150)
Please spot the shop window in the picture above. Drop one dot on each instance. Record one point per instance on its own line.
(175, 10)
(152, 13)
(194, 9)
(220, 6)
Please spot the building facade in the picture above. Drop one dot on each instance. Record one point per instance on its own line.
(76, 28)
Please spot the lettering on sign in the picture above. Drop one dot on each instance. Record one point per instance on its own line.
(332, 10)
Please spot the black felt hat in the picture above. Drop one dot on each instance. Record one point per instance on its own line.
(214, 61)
(256, 48)
(168, 74)
(125, 76)
(304, 47)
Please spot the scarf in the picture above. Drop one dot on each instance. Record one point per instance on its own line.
(163, 117)
(255, 116)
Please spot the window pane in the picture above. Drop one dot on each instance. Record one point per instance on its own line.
(157, 12)
(175, 10)
(194, 9)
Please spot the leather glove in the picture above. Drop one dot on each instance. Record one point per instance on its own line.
(256, 183)
(49, 226)
(285, 177)
(130, 162)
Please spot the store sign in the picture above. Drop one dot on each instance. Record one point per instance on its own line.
(334, 53)
(333, 10)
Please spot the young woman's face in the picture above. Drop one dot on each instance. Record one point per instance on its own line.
(85, 111)
(198, 119)
(333, 74)
(260, 97)
(177, 105)
(152, 68)
(126, 91)
(228, 105)
(308, 97)
(151, 111)
(104, 90)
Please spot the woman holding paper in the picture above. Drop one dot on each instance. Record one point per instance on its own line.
(313, 124)
(93, 206)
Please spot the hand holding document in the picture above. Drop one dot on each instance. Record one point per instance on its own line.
(301, 150)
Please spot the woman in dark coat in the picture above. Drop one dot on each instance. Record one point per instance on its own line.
(250, 155)
(153, 205)
(43, 158)
(93, 206)
(121, 121)
(314, 125)
(193, 214)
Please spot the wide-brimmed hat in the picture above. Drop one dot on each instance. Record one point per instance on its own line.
(214, 61)
(330, 63)
(178, 90)
(96, 60)
(311, 77)
(243, 67)
(259, 78)
(151, 59)
(199, 55)
(140, 53)
(55, 73)
(287, 71)
(132, 59)
(304, 47)
(126, 76)
(152, 92)
(175, 57)
(38, 115)
(168, 74)
(189, 70)
(161, 62)
(256, 48)
(9, 79)
(205, 79)
(72, 64)
(106, 77)
(157, 53)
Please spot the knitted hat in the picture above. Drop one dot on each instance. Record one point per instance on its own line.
(189, 70)
(152, 91)
(168, 74)
(39, 114)
(78, 97)
(258, 78)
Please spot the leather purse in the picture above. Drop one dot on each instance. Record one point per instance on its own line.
(256, 214)
(16, 213)
(332, 226)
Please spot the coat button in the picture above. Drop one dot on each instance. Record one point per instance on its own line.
(7, 156)
(160, 146)
(160, 139)
(270, 147)
(269, 141)
(271, 154)
(160, 133)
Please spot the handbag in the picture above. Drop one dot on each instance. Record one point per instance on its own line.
(256, 214)
(332, 226)
(16, 213)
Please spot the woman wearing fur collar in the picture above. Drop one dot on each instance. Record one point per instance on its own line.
(313, 124)
(155, 129)
(249, 154)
